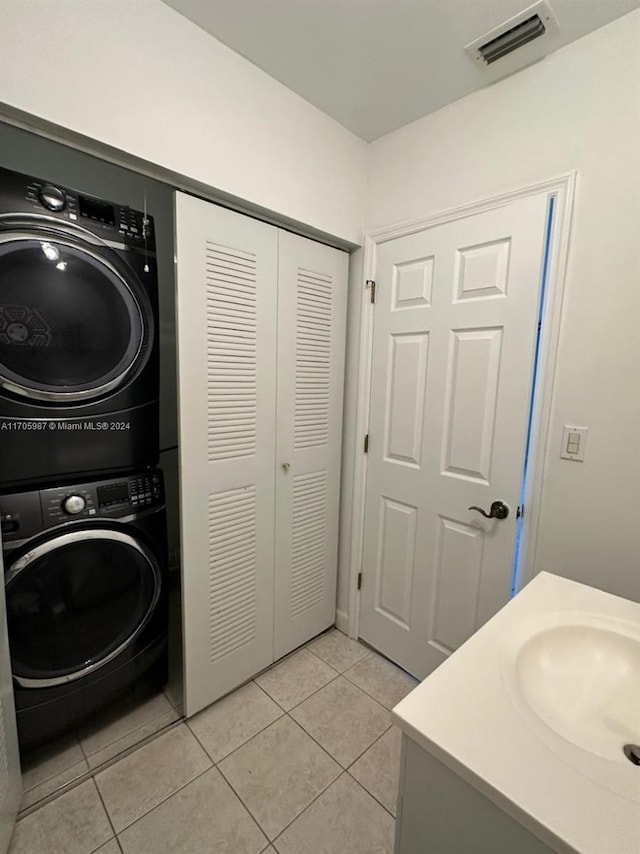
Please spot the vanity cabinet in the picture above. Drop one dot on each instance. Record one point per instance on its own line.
(440, 812)
(261, 336)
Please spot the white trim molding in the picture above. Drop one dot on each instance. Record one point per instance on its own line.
(561, 189)
(342, 621)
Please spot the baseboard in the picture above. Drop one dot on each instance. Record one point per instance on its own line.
(342, 621)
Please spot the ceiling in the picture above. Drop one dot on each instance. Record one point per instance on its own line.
(375, 65)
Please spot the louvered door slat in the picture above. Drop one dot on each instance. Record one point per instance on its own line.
(311, 317)
(227, 297)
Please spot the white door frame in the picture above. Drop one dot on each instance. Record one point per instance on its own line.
(562, 190)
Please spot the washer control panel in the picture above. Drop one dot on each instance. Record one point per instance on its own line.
(24, 514)
(145, 490)
(115, 499)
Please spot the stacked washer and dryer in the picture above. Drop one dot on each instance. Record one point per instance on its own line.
(82, 502)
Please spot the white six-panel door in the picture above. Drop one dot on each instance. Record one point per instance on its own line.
(226, 306)
(312, 295)
(454, 339)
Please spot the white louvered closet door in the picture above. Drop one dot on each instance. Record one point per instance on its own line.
(227, 298)
(312, 297)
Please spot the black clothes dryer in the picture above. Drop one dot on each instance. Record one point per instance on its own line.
(79, 383)
(86, 598)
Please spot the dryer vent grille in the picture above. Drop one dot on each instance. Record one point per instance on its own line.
(515, 37)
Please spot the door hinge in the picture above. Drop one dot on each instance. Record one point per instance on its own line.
(359, 580)
(366, 444)
(520, 511)
(372, 286)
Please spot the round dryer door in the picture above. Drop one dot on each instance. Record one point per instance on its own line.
(71, 326)
(76, 602)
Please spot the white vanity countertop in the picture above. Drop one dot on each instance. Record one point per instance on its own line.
(471, 716)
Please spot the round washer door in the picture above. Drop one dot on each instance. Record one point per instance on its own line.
(71, 326)
(77, 601)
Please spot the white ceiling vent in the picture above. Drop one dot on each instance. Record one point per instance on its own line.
(535, 22)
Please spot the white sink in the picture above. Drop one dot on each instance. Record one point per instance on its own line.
(534, 711)
(583, 681)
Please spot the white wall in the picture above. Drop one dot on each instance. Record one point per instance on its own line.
(136, 75)
(578, 109)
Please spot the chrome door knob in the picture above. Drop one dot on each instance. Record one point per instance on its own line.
(498, 510)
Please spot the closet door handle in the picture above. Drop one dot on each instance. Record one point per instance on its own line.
(286, 466)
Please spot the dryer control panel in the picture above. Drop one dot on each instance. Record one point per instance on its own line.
(109, 220)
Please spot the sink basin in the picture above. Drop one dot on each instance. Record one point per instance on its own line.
(583, 681)
(534, 711)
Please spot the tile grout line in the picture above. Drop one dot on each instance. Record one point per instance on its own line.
(388, 708)
(377, 800)
(102, 844)
(311, 803)
(284, 714)
(216, 762)
(44, 780)
(59, 787)
(343, 767)
(273, 699)
(287, 713)
(244, 806)
(262, 729)
(92, 773)
(328, 663)
(87, 754)
(315, 798)
(273, 666)
(374, 742)
(238, 795)
(340, 672)
(342, 770)
(253, 682)
(169, 795)
(312, 694)
(106, 812)
(164, 800)
(140, 741)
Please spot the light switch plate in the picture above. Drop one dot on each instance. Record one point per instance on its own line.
(574, 442)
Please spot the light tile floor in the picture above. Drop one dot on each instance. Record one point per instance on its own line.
(110, 732)
(303, 760)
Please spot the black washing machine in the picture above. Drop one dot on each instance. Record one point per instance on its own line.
(86, 598)
(79, 382)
